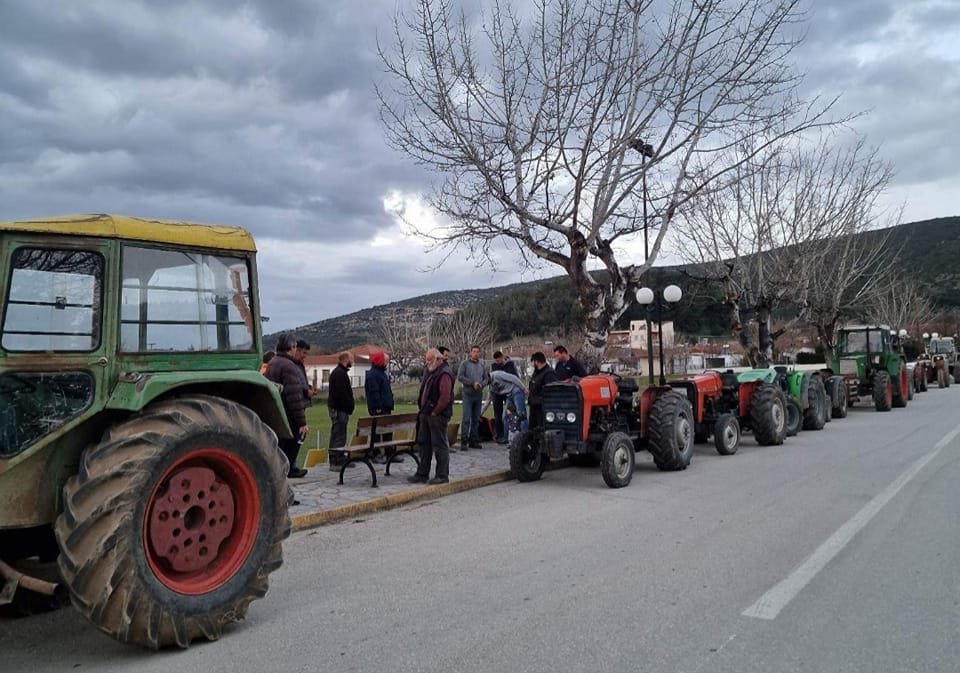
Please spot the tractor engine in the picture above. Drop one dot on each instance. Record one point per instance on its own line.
(579, 415)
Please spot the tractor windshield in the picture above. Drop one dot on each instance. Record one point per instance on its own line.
(942, 346)
(858, 342)
(178, 300)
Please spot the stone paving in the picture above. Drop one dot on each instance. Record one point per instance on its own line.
(321, 497)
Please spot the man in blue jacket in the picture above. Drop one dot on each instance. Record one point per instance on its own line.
(379, 394)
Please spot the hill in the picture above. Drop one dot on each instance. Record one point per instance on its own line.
(929, 252)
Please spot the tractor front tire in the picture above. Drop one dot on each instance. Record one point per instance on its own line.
(840, 411)
(882, 392)
(726, 434)
(527, 462)
(617, 460)
(768, 415)
(794, 418)
(671, 432)
(815, 416)
(174, 522)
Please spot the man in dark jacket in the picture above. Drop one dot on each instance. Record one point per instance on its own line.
(500, 364)
(436, 407)
(376, 385)
(285, 370)
(341, 404)
(542, 375)
(567, 365)
(379, 394)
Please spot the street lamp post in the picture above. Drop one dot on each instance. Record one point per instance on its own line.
(656, 305)
(646, 151)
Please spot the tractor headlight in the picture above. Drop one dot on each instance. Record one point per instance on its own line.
(571, 417)
(551, 417)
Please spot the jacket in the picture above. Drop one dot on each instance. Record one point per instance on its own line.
(436, 392)
(340, 396)
(376, 385)
(572, 367)
(283, 369)
(541, 377)
(473, 372)
(504, 383)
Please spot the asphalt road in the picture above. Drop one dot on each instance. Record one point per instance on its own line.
(834, 552)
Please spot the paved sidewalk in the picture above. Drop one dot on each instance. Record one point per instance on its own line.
(323, 500)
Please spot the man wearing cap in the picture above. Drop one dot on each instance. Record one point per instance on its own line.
(301, 352)
(379, 395)
(285, 370)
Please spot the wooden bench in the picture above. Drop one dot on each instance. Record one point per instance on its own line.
(369, 442)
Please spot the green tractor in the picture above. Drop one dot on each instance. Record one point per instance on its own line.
(138, 442)
(817, 397)
(870, 360)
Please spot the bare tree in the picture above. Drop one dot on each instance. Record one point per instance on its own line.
(903, 303)
(788, 228)
(553, 126)
(461, 330)
(404, 339)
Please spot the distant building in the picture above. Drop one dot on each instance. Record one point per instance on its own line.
(638, 334)
(319, 366)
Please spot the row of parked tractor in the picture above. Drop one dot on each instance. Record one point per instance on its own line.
(605, 419)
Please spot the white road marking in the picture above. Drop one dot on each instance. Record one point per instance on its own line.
(776, 599)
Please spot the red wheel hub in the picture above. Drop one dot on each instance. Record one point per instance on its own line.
(201, 521)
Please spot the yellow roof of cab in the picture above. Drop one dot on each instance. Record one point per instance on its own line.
(139, 229)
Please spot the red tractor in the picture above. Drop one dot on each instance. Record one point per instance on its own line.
(725, 403)
(602, 419)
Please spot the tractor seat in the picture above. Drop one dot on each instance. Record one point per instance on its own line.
(627, 387)
(729, 379)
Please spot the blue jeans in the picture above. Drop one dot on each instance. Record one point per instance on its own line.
(515, 419)
(472, 403)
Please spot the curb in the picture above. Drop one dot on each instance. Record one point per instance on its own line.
(315, 519)
(342, 512)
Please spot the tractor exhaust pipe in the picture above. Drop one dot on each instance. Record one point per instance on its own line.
(14, 578)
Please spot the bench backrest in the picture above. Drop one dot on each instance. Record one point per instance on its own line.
(379, 425)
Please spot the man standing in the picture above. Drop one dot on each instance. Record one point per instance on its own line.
(567, 365)
(501, 364)
(341, 405)
(473, 375)
(301, 352)
(435, 402)
(542, 375)
(285, 370)
(379, 394)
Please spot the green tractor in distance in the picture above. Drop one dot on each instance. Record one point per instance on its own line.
(138, 441)
(870, 360)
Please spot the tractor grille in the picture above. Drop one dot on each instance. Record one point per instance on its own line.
(562, 401)
(848, 366)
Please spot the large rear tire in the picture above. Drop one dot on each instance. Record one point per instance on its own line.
(726, 434)
(617, 460)
(527, 462)
(815, 415)
(174, 522)
(882, 392)
(671, 432)
(768, 415)
(899, 384)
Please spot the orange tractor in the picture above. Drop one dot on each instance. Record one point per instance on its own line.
(602, 418)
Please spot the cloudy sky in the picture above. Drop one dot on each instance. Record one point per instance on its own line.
(262, 114)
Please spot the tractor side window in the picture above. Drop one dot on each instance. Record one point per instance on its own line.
(184, 301)
(53, 303)
(33, 405)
